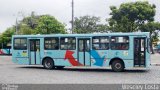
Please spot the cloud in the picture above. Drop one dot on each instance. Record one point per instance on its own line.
(61, 9)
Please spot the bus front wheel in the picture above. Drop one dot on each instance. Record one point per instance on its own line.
(117, 66)
(48, 63)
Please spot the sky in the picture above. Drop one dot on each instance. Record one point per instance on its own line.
(60, 9)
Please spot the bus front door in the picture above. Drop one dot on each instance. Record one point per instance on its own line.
(139, 51)
(84, 51)
(34, 51)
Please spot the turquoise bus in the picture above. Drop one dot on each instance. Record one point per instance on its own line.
(116, 50)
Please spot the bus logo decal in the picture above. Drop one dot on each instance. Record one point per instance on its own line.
(98, 59)
(71, 59)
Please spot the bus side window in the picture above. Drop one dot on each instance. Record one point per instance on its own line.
(51, 43)
(68, 43)
(119, 42)
(100, 43)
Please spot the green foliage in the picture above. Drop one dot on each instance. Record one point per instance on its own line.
(150, 27)
(25, 29)
(153, 28)
(48, 24)
(88, 24)
(1, 40)
(134, 16)
(43, 24)
(130, 16)
(34, 24)
(102, 28)
(6, 36)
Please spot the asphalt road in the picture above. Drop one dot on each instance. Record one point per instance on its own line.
(23, 74)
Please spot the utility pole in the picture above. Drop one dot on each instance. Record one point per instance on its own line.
(72, 16)
(17, 15)
(16, 26)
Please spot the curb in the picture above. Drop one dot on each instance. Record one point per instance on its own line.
(155, 64)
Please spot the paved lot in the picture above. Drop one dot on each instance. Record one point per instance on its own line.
(155, 58)
(22, 74)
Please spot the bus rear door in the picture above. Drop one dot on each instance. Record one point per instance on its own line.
(139, 51)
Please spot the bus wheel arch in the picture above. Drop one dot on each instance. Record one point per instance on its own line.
(117, 64)
(48, 63)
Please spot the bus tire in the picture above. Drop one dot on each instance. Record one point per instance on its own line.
(48, 63)
(117, 66)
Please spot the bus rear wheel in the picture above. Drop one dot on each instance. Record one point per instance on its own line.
(117, 66)
(48, 63)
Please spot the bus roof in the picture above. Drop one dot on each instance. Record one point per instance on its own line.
(86, 35)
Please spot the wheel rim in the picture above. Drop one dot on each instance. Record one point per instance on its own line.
(118, 65)
(48, 64)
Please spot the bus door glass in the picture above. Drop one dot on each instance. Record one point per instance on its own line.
(84, 51)
(139, 51)
(34, 51)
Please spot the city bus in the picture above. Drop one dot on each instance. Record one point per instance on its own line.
(118, 51)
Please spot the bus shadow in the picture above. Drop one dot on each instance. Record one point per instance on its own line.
(104, 70)
(87, 69)
(31, 67)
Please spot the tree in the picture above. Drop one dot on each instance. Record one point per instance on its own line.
(153, 28)
(25, 29)
(1, 41)
(102, 28)
(28, 24)
(31, 20)
(130, 16)
(40, 24)
(34, 24)
(48, 24)
(7, 36)
(88, 24)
